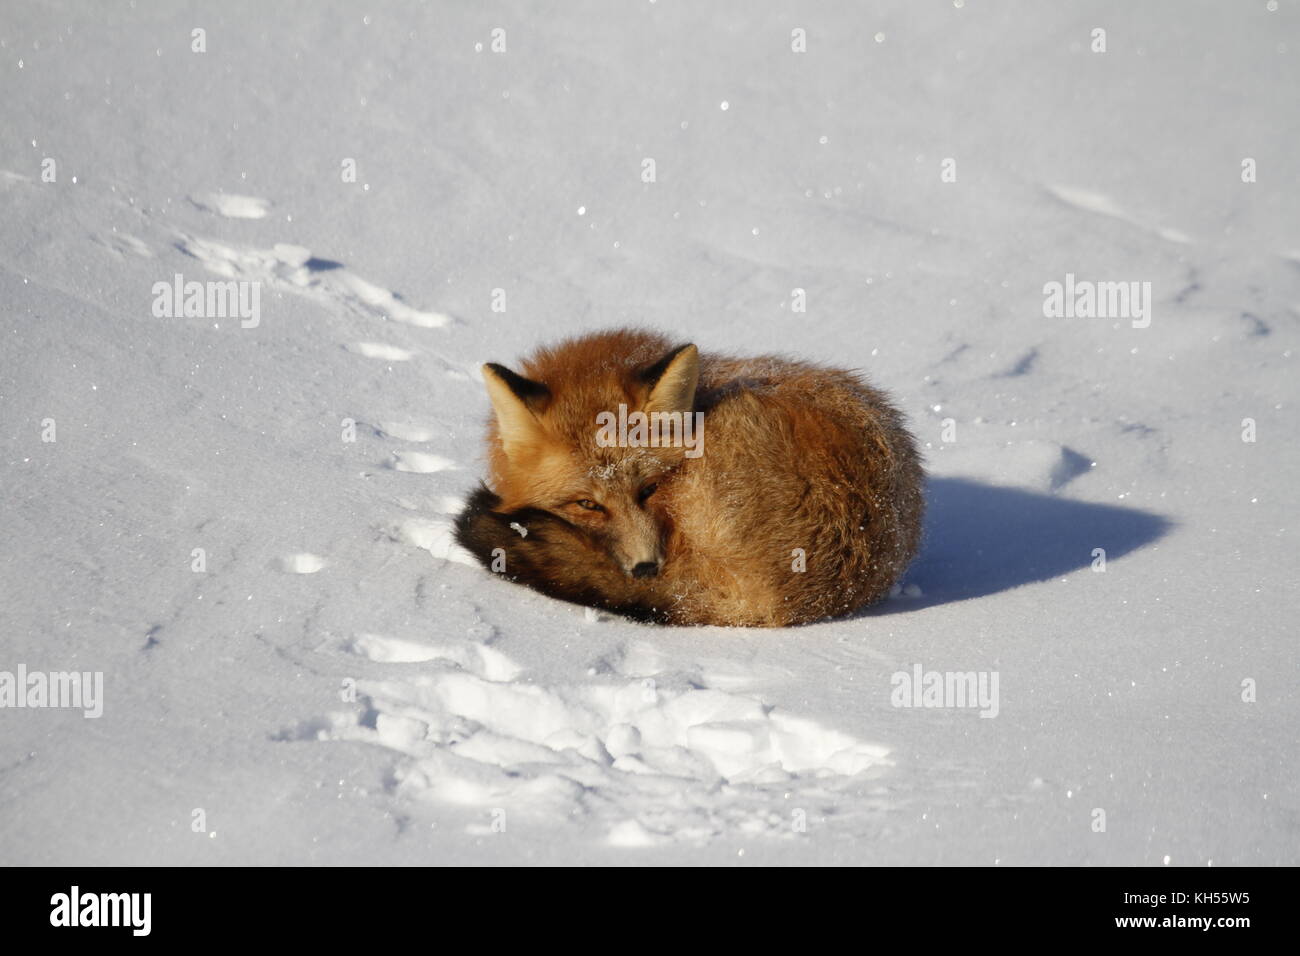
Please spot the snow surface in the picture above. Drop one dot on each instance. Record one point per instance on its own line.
(340, 685)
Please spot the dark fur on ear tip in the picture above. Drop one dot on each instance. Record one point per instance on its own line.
(533, 394)
(651, 374)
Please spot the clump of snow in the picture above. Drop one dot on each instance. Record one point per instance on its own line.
(613, 751)
(232, 206)
(302, 563)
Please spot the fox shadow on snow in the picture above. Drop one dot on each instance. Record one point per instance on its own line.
(981, 539)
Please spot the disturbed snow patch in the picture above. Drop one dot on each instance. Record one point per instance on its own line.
(295, 269)
(302, 563)
(421, 463)
(479, 658)
(435, 535)
(643, 763)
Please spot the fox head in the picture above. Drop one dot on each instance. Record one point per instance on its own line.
(546, 449)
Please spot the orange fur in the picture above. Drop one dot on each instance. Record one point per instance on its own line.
(796, 457)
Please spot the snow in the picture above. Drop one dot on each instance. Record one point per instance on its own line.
(232, 206)
(247, 527)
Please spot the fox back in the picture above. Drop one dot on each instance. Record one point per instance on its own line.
(632, 474)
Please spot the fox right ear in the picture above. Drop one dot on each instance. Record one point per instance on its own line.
(516, 401)
(673, 380)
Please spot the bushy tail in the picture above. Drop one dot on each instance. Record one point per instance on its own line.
(552, 557)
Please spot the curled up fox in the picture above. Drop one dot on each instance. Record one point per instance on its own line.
(630, 473)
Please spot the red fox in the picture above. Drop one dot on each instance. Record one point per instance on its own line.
(805, 501)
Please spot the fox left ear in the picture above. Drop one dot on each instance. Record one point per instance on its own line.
(672, 381)
(516, 401)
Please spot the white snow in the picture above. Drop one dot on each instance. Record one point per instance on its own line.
(302, 563)
(232, 206)
(420, 462)
(247, 527)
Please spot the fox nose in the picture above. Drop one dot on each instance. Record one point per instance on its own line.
(645, 569)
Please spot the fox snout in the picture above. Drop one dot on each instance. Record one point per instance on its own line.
(643, 562)
(644, 569)
(636, 542)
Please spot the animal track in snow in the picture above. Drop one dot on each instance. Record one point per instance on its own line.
(302, 563)
(380, 350)
(123, 244)
(295, 269)
(232, 206)
(1105, 206)
(421, 463)
(1038, 464)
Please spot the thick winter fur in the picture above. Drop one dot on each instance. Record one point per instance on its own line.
(797, 458)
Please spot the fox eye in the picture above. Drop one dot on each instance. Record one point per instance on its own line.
(588, 504)
(647, 491)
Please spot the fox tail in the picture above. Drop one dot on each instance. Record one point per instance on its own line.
(544, 552)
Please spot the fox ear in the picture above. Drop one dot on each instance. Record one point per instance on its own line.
(672, 381)
(516, 401)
